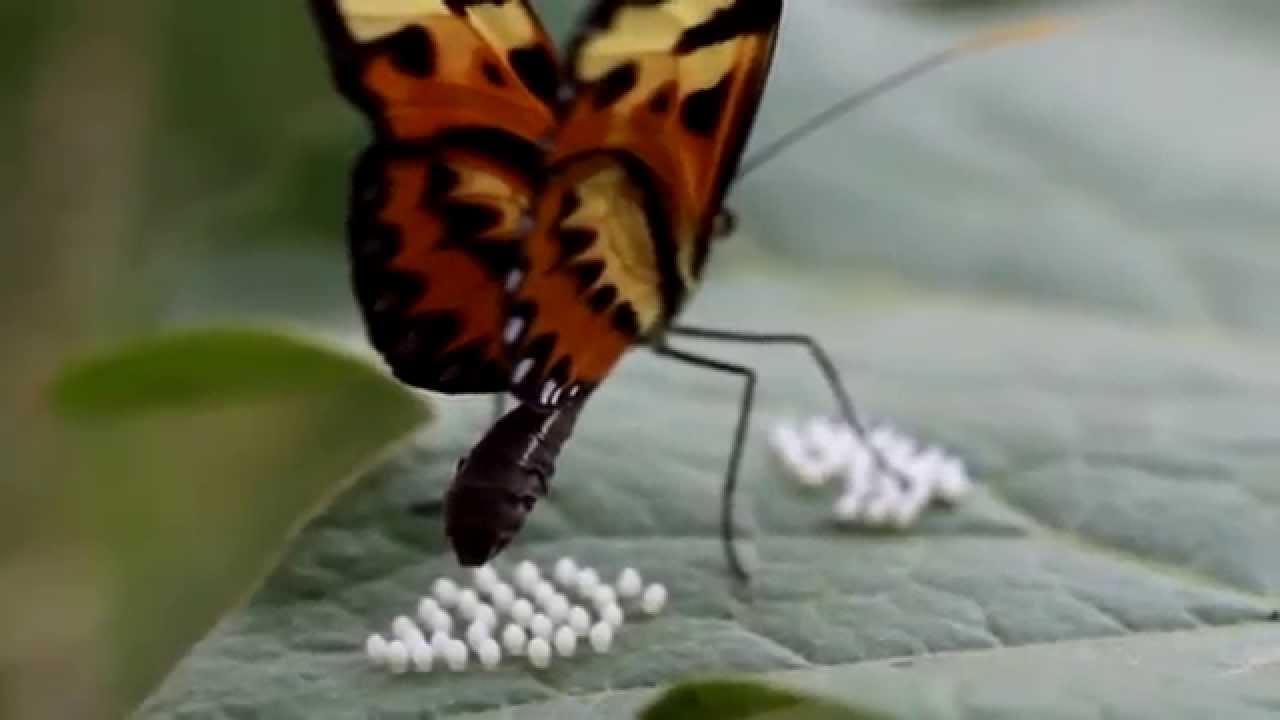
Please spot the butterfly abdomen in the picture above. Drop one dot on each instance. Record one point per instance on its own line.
(500, 481)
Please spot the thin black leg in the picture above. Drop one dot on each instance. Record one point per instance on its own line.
(726, 222)
(824, 363)
(739, 439)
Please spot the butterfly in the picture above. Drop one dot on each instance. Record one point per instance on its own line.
(520, 221)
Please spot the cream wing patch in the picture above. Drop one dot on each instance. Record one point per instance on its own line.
(689, 72)
(654, 31)
(502, 24)
(609, 211)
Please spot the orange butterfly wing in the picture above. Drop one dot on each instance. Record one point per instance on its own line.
(462, 98)
(665, 95)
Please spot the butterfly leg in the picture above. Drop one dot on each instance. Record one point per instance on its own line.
(847, 410)
(820, 357)
(725, 223)
(739, 439)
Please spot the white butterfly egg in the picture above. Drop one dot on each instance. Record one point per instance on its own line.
(485, 578)
(543, 592)
(566, 571)
(446, 592)
(540, 626)
(579, 620)
(601, 637)
(514, 638)
(613, 615)
(441, 621)
(848, 507)
(604, 596)
(489, 653)
(527, 576)
(953, 480)
(422, 657)
(406, 631)
(654, 599)
(539, 652)
(468, 601)
(375, 648)
(476, 634)
(565, 641)
(557, 608)
(588, 580)
(397, 657)
(882, 505)
(503, 595)
(440, 643)
(629, 583)
(456, 655)
(427, 608)
(486, 614)
(522, 611)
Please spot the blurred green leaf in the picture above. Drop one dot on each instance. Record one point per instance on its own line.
(200, 454)
(1219, 673)
(201, 370)
(746, 700)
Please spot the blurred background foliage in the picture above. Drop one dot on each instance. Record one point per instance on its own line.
(172, 164)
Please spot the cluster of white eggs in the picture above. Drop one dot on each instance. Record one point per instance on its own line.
(820, 450)
(538, 616)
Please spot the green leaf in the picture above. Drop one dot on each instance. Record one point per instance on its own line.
(746, 700)
(202, 370)
(1225, 672)
(1059, 260)
(197, 455)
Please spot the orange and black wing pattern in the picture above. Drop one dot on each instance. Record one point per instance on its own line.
(461, 95)
(665, 93)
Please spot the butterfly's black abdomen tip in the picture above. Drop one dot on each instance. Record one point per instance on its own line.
(475, 546)
(497, 485)
(482, 519)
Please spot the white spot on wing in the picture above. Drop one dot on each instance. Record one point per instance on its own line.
(511, 333)
(522, 369)
(548, 389)
(514, 278)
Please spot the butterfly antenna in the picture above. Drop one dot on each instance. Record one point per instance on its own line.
(1005, 35)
